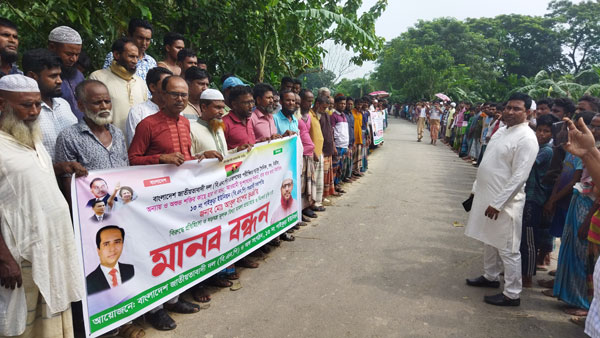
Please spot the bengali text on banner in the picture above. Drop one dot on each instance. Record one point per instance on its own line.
(148, 233)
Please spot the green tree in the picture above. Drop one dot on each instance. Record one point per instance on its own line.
(356, 87)
(579, 30)
(316, 78)
(257, 40)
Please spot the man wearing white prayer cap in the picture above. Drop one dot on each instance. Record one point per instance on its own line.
(208, 136)
(40, 274)
(66, 43)
(288, 204)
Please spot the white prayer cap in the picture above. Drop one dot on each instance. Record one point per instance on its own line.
(533, 105)
(288, 176)
(212, 94)
(453, 104)
(18, 83)
(65, 34)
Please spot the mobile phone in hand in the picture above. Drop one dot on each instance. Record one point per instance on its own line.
(560, 133)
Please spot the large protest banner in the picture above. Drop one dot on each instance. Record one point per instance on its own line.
(377, 124)
(148, 233)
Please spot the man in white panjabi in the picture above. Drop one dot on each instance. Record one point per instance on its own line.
(499, 198)
(208, 136)
(40, 273)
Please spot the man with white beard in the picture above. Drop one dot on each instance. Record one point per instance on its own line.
(94, 141)
(40, 273)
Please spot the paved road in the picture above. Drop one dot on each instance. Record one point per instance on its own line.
(384, 261)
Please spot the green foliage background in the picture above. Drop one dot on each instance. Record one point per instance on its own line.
(257, 40)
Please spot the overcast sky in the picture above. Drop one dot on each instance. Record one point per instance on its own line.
(402, 14)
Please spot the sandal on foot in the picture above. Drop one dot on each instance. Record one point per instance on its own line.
(160, 320)
(287, 237)
(546, 283)
(275, 242)
(318, 209)
(246, 263)
(131, 331)
(220, 282)
(200, 295)
(577, 312)
(232, 276)
(549, 293)
(182, 306)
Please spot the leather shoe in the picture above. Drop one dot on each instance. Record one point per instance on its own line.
(501, 300)
(160, 320)
(483, 282)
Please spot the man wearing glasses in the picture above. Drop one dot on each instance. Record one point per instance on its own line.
(165, 136)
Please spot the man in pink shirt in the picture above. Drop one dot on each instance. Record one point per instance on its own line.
(262, 115)
(239, 130)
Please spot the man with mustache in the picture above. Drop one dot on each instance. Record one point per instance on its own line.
(94, 141)
(262, 115)
(9, 43)
(149, 107)
(66, 43)
(125, 87)
(208, 137)
(44, 67)
(165, 138)
(39, 269)
(239, 130)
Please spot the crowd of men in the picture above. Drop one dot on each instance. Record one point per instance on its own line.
(135, 111)
(530, 190)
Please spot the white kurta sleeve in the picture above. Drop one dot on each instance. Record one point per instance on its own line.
(522, 163)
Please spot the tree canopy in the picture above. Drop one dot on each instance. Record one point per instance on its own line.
(257, 40)
(487, 58)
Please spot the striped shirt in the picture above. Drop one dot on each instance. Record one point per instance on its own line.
(54, 120)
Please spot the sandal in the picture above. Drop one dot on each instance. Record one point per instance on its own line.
(275, 242)
(318, 209)
(546, 283)
(160, 320)
(182, 306)
(577, 312)
(549, 293)
(220, 282)
(232, 276)
(200, 295)
(246, 263)
(131, 331)
(287, 237)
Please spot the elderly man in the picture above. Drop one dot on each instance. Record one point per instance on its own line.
(198, 81)
(165, 138)
(140, 33)
(125, 87)
(173, 43)
(40, 273)
(93, 142)
(499, 198)
(45, 67)
(9, 43)
(149, 107)
(66, 43)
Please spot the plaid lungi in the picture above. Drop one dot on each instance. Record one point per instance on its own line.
(309, 181)
(328, 186)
